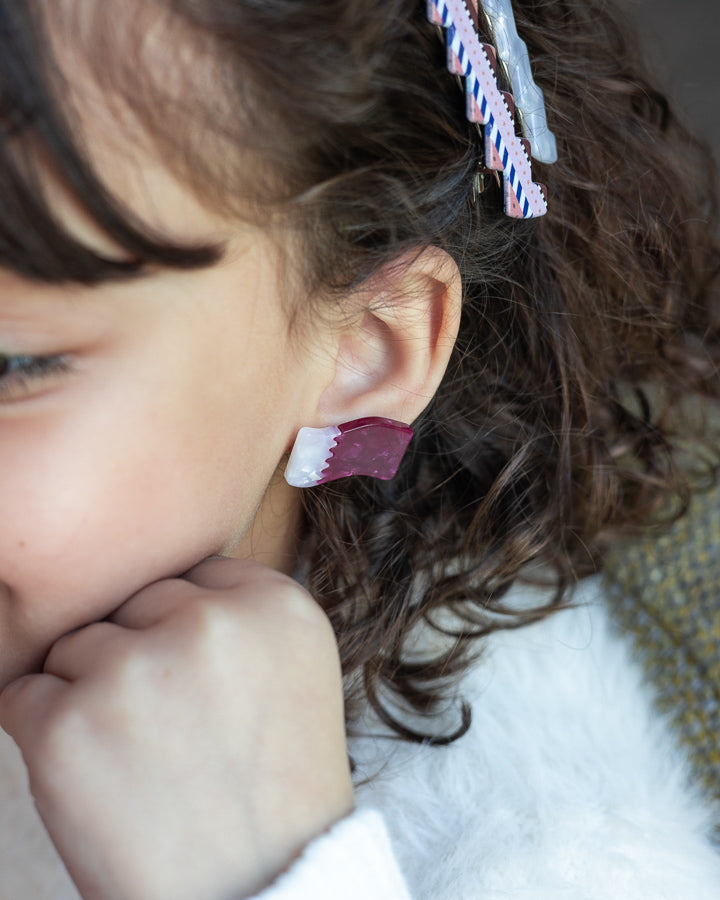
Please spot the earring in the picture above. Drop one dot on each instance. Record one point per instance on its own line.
(369, 446)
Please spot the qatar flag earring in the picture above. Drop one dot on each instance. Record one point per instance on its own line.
(370, 446)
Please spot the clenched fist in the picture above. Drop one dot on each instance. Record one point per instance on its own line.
(191, 746)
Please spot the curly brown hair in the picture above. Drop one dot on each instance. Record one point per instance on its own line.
(563, 419)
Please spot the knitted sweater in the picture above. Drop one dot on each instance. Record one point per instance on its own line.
(664, 590)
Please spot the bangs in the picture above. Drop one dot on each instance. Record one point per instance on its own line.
(36, 141)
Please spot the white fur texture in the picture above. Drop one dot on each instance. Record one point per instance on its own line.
(353, 861)
(568, 785)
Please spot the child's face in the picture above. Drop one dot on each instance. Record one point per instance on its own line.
(155, 449)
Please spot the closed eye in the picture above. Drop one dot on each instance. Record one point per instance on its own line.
(21, 375)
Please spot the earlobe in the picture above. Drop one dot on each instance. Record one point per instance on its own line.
(395, 346)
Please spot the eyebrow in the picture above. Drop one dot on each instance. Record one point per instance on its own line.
(65, 260)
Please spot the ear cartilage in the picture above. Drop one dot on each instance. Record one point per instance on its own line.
(487, 106)
(370, 446)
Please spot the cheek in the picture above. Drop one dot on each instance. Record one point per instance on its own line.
(98, 506)
(133, 474)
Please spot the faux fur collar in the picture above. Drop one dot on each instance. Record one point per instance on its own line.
(568, 785)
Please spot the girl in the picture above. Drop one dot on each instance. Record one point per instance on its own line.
(222, 221)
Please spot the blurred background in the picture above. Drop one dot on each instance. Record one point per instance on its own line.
(683, 41)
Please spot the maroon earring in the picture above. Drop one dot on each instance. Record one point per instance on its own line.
(370, 446)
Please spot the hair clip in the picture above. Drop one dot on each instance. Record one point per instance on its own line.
(488, 106)
(370, 446)
(529, 98)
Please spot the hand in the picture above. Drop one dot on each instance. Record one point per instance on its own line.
(194, 744)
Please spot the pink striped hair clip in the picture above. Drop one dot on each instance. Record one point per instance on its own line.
(370, 446)
(493, 109)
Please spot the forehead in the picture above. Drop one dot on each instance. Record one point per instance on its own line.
(78, 160)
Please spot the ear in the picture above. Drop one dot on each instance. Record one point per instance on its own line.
(393, 348)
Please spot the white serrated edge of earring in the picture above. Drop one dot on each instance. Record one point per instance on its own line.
(310, 455)
(528, 97)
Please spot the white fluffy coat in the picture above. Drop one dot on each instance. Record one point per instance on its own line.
(567, 787)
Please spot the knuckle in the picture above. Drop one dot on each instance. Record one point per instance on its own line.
(203, 628)
(288, 601)
(305, 618)
(199, 615)
(262, 611)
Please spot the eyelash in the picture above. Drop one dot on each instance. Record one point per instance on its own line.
(20, 374)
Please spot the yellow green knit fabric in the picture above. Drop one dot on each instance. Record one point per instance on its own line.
(665, 591)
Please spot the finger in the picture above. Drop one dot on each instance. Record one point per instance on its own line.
(250, 586)
(154, 603)
(75, 655)
(265, 596)
(160, 600)
(25, 705)
(219, 573)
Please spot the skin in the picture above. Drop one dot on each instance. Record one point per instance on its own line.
(198, 699)
(201, 368)
(193, 745)
(157, 449)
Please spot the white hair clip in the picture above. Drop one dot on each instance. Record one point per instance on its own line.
(528, 97)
